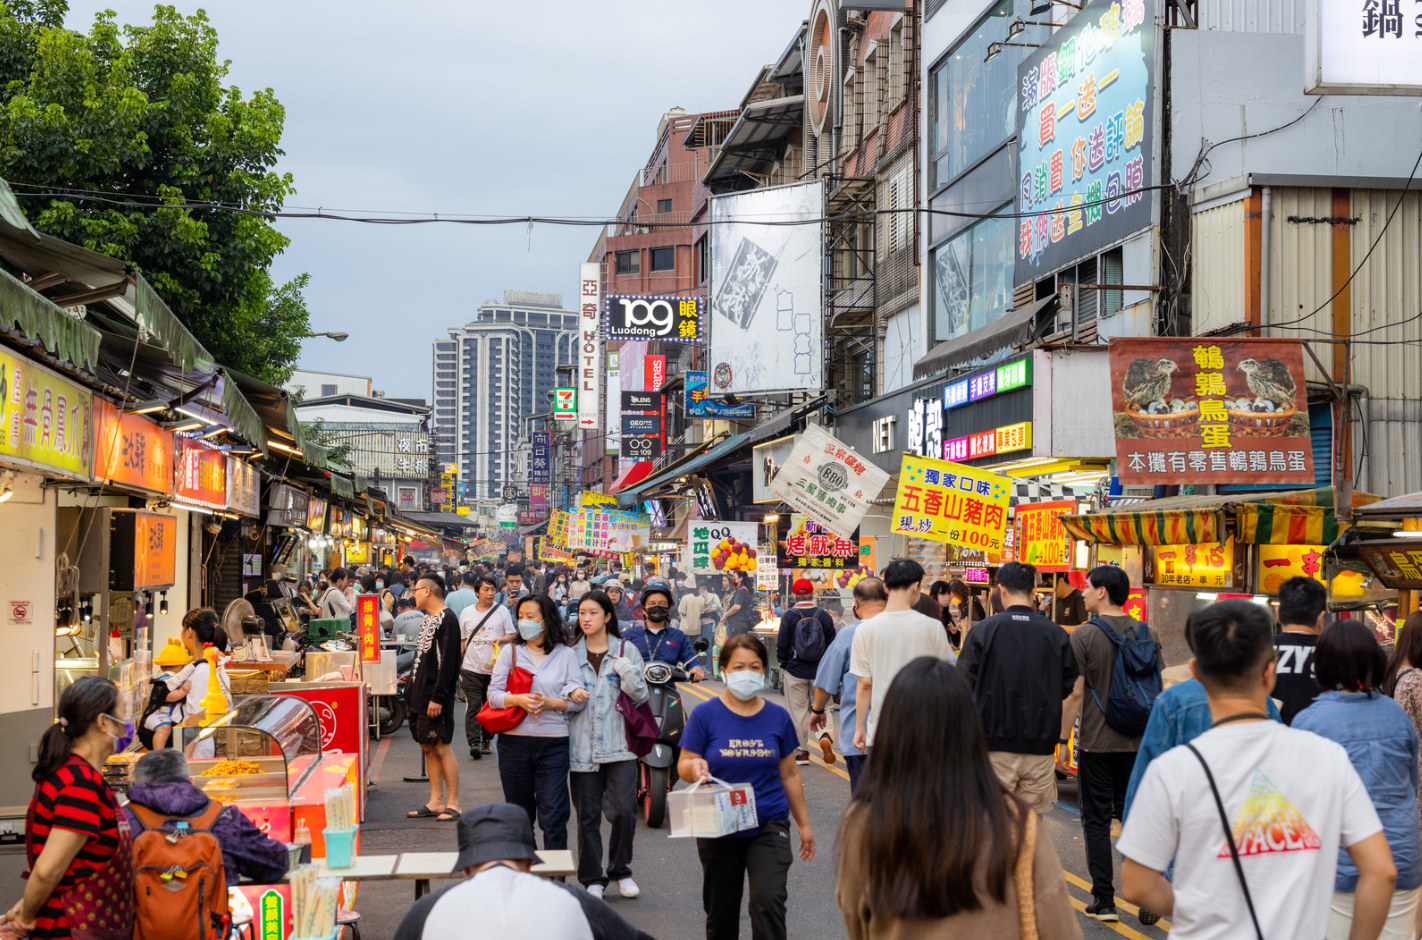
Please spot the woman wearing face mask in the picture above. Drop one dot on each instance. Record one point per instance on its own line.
(740, 737)
(533, 756)
(74, 834)
(580, 586)
(604, 770)
(558, 590)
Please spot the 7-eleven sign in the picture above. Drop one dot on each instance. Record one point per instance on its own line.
(565, 403)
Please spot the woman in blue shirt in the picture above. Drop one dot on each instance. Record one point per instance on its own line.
(604, 777)
(739, 737)
(534, 756)
(1382, 744)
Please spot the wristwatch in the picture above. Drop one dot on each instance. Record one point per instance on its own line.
(817, 711)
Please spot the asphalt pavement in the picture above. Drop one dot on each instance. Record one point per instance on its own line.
(667, 869)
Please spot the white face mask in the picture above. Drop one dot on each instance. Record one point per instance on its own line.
(745, 684)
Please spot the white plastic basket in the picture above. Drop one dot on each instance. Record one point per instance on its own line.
(711, 808)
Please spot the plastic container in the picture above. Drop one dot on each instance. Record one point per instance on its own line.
(710, 809)
(340, 847)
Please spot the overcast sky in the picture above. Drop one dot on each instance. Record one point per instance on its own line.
(515, 107)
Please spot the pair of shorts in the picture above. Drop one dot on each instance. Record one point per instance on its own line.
(159, 718)
(429, 730)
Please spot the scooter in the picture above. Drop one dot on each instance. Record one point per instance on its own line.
(656, 771)
(389, 710)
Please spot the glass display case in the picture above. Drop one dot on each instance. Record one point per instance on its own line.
(263, 749)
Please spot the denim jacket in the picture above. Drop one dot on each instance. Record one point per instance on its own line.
(1181, 713)
(597, 734)
(1382, 744)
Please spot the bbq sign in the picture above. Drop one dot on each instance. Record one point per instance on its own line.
(670, 319)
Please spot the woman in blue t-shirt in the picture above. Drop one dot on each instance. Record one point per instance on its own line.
(741, 738)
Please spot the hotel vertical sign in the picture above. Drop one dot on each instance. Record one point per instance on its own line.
(589, 349)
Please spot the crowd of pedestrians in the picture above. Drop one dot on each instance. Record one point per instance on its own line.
(1273, 794)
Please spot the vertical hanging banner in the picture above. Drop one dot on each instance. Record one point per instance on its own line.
(589, 347)
(368, 626)
(1044, 542)
(656, 372)
(539, 470)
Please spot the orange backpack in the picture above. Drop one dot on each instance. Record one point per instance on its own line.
(179, 881)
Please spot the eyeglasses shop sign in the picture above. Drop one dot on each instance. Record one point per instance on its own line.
(673, 319)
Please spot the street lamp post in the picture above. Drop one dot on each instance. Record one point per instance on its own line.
(336, 335)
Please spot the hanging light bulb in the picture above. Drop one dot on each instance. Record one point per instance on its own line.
(163, 603)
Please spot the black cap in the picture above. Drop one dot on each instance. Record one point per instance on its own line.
(656, 587)
(493, 832)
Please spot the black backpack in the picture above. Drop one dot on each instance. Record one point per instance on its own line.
(809, 637)
(1135, 679)
(157, 698)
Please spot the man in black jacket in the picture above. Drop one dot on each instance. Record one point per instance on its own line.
(429, 694)
(1021, 668)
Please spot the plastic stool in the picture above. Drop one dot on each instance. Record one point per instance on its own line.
(348, 920)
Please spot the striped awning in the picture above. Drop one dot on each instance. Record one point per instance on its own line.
(1026, 492)
(1292, 517)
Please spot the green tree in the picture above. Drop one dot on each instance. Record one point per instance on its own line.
(141, 114)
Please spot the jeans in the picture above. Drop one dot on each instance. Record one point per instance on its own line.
(534, 772)
(854, 763)
(726, 862)
(610, 790)
(1101, 785)
(476, 693)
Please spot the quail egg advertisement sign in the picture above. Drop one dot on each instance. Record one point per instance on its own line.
(1208, 410)
(718, 547)
(829, 482)
(1085, 121)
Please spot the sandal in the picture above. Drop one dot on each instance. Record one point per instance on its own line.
(424, 812)
(449, 815)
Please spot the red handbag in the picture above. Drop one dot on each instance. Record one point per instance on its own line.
(499, 720)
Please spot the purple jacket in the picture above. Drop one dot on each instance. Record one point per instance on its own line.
(245, 849)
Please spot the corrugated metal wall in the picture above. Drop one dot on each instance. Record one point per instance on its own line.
(1217, 245)
(1388, 449)
(1388, 290)
(1252, 16)
(1300, 267)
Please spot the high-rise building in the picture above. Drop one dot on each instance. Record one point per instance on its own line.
(492, 374)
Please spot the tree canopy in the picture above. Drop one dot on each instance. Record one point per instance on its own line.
(92, 124)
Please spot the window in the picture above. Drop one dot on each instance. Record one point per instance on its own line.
(972, 102)
(627, 262)
(663, 259)
(898, 73)
(1107, 268)
(663, 205)
(850, 136)
(327, 390)
(871, 90)
(972, 277)
(703, 259)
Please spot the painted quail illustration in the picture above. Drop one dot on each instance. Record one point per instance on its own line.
(1147, 382)
(1270, 380)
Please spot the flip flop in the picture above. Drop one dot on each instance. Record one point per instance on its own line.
(449, 815)
(424, 812)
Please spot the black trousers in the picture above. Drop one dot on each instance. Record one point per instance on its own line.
(610, 790)
(476, 692)
(1101, 786)
(725, 864)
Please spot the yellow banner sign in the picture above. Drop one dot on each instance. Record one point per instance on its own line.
(1279, 563)
(951, 502)
(44, 420)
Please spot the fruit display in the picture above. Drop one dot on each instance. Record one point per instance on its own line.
(849, 577)
(232, 768)
(732, 555)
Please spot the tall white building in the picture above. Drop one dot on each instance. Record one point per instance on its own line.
(489, 376)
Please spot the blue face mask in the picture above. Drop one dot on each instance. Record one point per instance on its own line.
(530, 630)
(745, 684)
(121, 741)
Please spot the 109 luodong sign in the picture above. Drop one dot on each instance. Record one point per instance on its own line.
(1210, 410)
(1085, 123)
(667, 319)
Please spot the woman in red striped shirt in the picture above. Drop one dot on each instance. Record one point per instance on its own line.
(74, 834)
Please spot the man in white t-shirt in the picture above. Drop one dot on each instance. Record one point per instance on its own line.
(1291, 797)
(482, 625)
(886, 643)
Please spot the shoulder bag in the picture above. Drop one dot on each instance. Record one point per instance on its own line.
(1229, 834)
(1022, 878)
(499, 720)
(642, 730)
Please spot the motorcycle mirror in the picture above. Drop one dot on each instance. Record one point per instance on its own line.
(700, 644)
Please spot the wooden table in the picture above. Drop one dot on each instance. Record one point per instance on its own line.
(424, 867)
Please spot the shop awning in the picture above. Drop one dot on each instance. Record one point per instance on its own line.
(1293, 517)
(1011, 331)
(1395, 507)
(634, 474)
(688, 464)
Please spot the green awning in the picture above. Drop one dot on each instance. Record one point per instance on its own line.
(341, 486)
(67, 338)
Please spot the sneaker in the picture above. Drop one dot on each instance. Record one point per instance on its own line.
(475, 753)
(486, 748)
(1102, 909)
(1149, 918)
(827, 748)
(802, 757)
(596, 891)
(628, 888)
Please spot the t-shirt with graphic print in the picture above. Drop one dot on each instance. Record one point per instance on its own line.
(1292, 797)
(1295, 686)
(745, 749)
